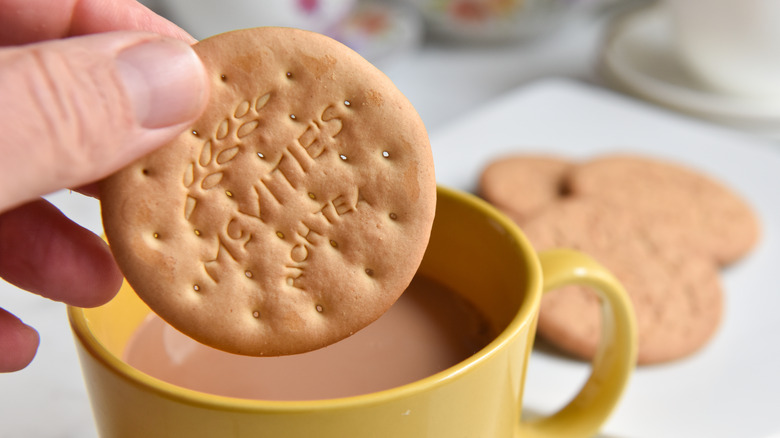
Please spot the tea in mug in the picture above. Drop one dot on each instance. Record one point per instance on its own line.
(429, 329)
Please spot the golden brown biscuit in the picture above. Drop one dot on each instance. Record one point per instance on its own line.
(293, 213)
(523, 185)
(675, 291)
(690, 207)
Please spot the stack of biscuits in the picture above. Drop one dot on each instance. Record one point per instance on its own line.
(663, 229)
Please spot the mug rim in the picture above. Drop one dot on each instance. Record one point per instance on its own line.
(524, 316)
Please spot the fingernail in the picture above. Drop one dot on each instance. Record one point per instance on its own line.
(165, 81)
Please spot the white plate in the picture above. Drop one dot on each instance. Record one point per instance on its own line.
(732, 387)
(638, 57)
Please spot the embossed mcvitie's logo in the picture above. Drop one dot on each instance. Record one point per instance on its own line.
(292, 212)
(278, 187)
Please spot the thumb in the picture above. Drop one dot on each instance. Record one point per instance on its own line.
(76, 110)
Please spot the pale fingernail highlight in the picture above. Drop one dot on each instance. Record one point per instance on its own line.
(165, 81)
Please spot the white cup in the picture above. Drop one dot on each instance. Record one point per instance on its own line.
(731, 46)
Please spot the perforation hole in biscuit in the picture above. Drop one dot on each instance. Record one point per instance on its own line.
(223, 77)
(319, 308)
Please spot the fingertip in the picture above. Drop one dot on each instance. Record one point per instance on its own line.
(102, 275)
(82, 272)
(165, 81)
(18, 343)
(48, 254)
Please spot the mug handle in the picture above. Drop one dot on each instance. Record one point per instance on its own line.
(616, 356)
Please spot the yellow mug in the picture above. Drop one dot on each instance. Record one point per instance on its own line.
(474, 250)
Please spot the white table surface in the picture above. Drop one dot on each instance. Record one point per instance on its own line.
(730, 387)
(48, 399)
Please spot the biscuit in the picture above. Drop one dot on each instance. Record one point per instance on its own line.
(676, 292)
(692, 208)
(523, 185)
(293, 213)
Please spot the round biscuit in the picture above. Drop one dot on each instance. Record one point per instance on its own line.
(523, 185)
(293, 213)
(694, 209)
(676, 293)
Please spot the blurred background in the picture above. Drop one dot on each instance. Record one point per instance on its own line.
(380, 29)
(449, 56)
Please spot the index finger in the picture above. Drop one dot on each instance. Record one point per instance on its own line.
(29, 21)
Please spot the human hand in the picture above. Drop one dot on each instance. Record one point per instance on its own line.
(86, 87)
